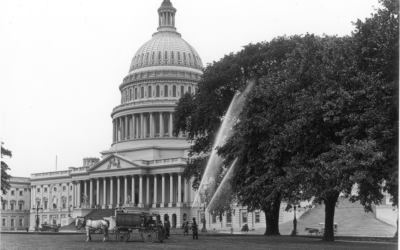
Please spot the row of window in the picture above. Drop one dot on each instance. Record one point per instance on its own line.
(12, 206)
(64, 188)
(132, 94)
(12, 224)
(244, 217)
(144, 58)
(21, 193)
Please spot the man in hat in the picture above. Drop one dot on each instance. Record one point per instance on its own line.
(194, 229)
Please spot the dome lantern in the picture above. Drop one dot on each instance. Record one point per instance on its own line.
(166, 17)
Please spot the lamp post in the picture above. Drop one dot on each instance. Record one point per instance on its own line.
(37, 216)
(204, 229)
(294, 232)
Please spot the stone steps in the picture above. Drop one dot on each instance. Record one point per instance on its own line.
(350, 217)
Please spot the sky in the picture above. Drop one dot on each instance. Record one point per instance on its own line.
(61, 62)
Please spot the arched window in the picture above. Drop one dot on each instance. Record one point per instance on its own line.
(142, 58)
(148, 57)
(157, 91)
(159, 55)
(182, 90)
(141, 92)
(131, 94)
(153, 56)
(166, 55)
(174, 91)
(172, 55)
(135, 93)
(165, 90)
(149, 91)
(189, 90)
(190, 59)
(184, 56)
(179, 56)
(195, 61)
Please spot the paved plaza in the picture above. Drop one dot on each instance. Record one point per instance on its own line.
(51, 242)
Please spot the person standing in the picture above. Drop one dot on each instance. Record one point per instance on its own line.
(194, 229)
(185, 227)
(167, 226)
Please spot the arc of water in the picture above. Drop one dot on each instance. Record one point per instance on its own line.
(217, 143)
(222, 185)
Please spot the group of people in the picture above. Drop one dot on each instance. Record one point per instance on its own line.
(185, 226)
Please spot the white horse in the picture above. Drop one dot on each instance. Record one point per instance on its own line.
(90, 224)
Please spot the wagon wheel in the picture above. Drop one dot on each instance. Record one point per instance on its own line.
(122, 236)
(150, 235)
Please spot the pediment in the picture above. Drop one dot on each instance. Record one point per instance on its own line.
(113, 162)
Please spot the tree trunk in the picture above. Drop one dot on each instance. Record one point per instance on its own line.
(272, 217)
(330, 204)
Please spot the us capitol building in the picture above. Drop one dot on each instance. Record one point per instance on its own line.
(142, 170)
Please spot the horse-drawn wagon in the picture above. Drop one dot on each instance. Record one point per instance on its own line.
(148, 225)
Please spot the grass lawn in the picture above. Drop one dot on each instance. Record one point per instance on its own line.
(77, 242)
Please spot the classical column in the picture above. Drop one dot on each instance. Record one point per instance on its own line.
(79, 196)
(59, 196)
(111, 192)
(148, 189)
(85, 187)
(98, 192)
(125, 187)
(170, 124)
(133, 127)
(171, 189)
(113, 131)
(140, 190)
(33, 196)
(126, 128)
(118, 190)
(68, 195)
(155, 191)
(137, 127)
(179, 202)
(145, 126)
(162, 190)
(91, 193)
(151, 125)
(104, 192)
(122, 128)
(141, 126)
(161, 125)
(187, 191)
(133, 189)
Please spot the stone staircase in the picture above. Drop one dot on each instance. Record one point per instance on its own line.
(96, 214)
(351, 218)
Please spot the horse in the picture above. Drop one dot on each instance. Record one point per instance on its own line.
(90, 224)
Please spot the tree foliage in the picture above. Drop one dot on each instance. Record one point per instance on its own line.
(322, 117)
(5, 185)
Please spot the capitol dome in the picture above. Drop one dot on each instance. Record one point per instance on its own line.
(166, 48)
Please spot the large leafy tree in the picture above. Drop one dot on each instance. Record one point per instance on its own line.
(201, 115)
(5, 185)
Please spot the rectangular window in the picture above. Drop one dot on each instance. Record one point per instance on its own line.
(12, 222)
(12, 192)
(21, 193)
(45, 205)
(12, 206)
(244, 217)
(20, 206)
(257, 217)
(45, 190)
(3, 206)
(4, 222)
(20, 222)
(228, 217)
(38, 190)
(64, 188)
